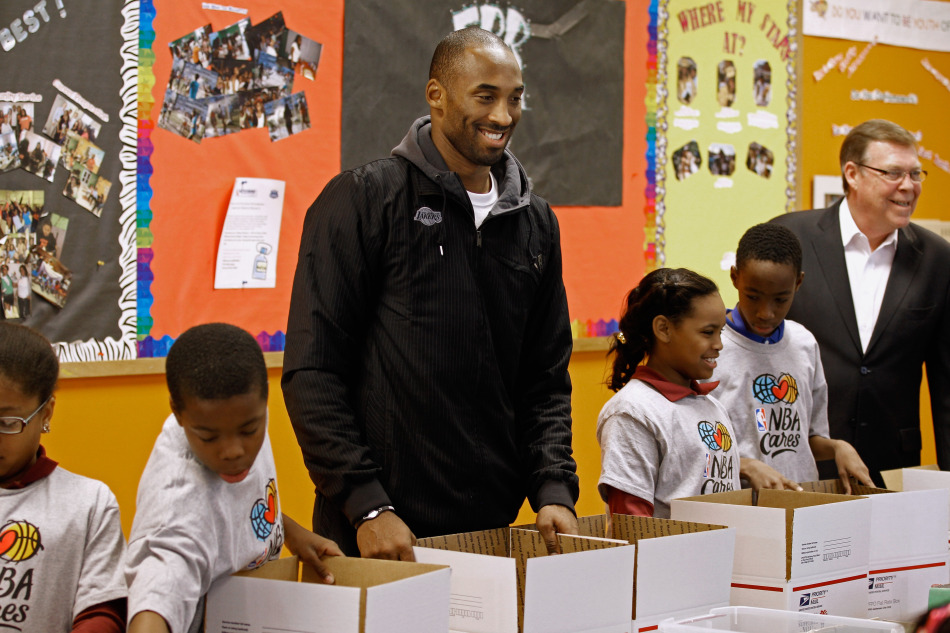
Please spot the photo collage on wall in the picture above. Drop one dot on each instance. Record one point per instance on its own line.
(721, 157)
(239, 78)
(31, 238)
(31, 242)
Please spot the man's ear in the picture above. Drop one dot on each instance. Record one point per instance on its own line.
(850, 173)
(661, 328)
(734, 276)
(801, 278)
(435, 94)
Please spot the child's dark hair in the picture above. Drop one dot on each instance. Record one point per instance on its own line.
(769, 243)
(214, 361)
(665, 291)
(28, 359)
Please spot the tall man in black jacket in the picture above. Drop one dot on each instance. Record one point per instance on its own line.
(425, 368)
(876, 295)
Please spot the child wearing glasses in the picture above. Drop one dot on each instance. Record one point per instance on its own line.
(61, 544)
(207, 501)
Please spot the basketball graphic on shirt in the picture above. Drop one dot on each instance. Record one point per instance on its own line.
(19, 541)
(715, 437)
(264, 512)
(768, 389)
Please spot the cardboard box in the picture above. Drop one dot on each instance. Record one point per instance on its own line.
(757, 620)
(682, 568)
(908, 551)
(799, 551)
(370, 596)
(894, 479)
(503, 581)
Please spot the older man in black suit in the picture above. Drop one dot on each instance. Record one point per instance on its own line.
(876, 295)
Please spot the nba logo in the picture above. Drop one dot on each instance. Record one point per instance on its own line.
(761, 422)
(706, 469)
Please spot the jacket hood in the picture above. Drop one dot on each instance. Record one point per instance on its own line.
(417, 147)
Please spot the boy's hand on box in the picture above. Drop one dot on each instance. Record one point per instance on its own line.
(849, 465)
(387, 537)
(310, 548)
(761, 475)
(552, 520)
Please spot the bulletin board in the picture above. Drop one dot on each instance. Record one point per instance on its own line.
(67, 172)
(896, 67)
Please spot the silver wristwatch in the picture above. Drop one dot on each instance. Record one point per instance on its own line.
(372, 514)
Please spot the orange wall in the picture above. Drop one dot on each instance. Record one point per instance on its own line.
(105, 427)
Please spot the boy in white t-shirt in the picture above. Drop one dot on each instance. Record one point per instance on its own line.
(207, 503)
(770, 375)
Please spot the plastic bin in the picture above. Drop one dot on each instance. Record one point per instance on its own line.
(758, 620)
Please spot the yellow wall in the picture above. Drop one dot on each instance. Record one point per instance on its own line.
(104, 428)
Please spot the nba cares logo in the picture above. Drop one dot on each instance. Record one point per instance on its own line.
(19, 541)
(427, 216)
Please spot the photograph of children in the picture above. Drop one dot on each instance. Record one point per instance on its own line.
(230, 43)
(49, 278)
(66, 118)
(235, 76)
(722, 159)
(194, 47)
(39, 155)
(89, 190)
(302, 52)
(760, 160)
(195, 81)
(726, 81)
(686, 80)
(79, 151)
(20, 211)
(762, 83)
(287, 116)
(7, 286)
(687, 160)
(9, 154)
(16, 116)
(274, 74)
(51, 234)
(264, 36)
(183, 116)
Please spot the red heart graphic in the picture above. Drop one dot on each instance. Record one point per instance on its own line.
(7, 540)
(782, 389)
(718, 436)
(270, 515)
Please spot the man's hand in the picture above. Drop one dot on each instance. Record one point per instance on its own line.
(310, 548)
(849, 465)
(761, 475)
(553, 520)
(387, 537)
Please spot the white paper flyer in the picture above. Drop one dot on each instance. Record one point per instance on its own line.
(247, 250)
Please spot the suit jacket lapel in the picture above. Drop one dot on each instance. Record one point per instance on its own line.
(906, 260)
(829, 254)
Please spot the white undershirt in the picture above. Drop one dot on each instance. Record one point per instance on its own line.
(483, 203)
(867, 271)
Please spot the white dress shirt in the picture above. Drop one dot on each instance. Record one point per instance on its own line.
(867, 271)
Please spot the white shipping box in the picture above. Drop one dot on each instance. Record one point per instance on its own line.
(503, 581)
(908, 551)
(370, 596)
(681, 569)
(758, 620)
(799, 551)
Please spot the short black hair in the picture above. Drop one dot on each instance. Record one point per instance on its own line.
(27, 359)
(214, 361)
(770, 243)
(448, 53)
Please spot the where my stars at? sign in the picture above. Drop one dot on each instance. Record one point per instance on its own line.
(711, 13)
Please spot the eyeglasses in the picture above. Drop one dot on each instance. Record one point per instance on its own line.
(12, 425)
(897, 175)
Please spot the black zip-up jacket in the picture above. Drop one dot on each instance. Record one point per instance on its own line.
(426, 360)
